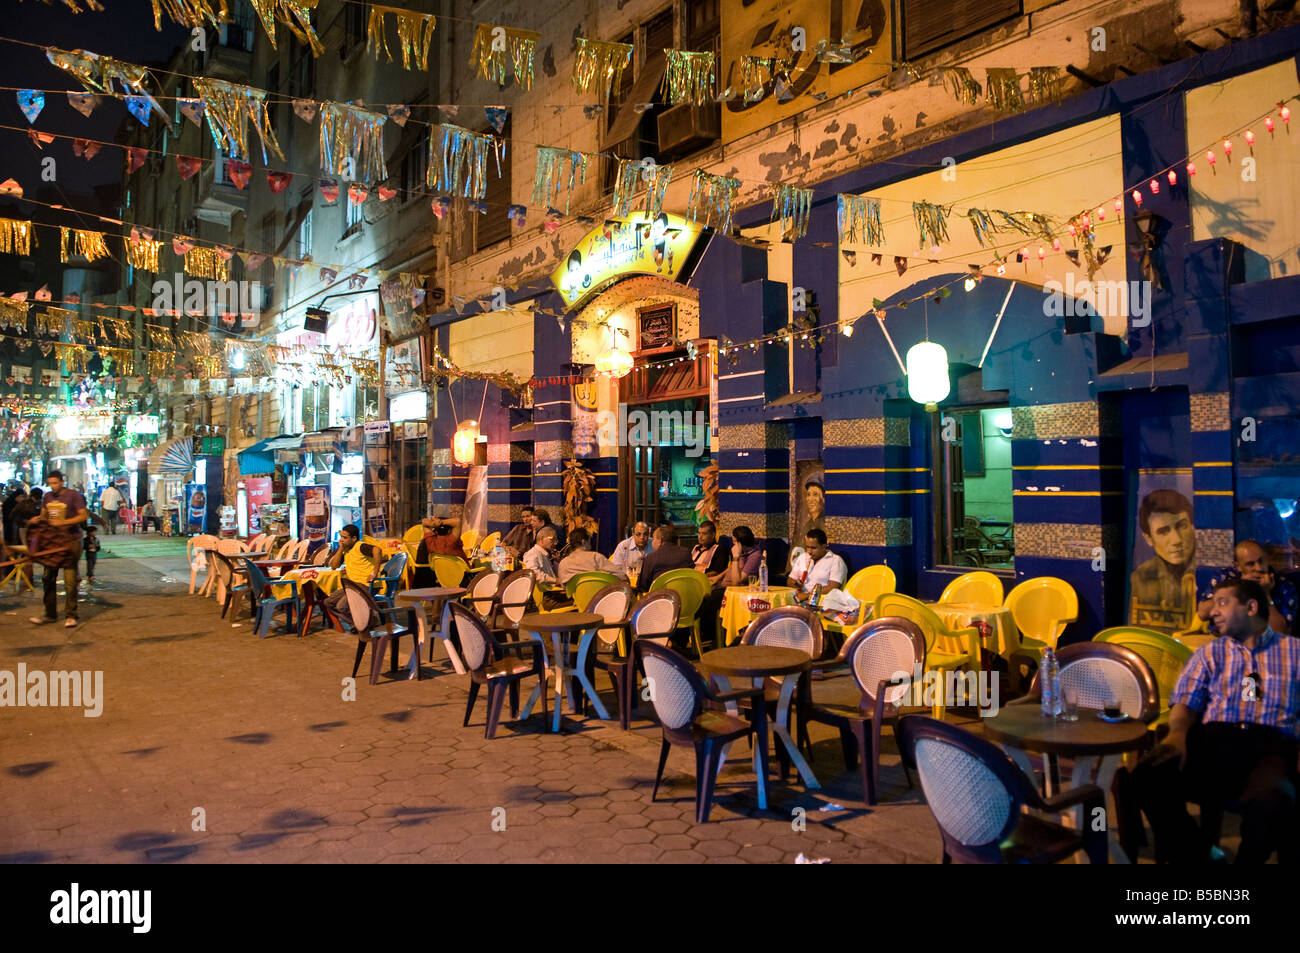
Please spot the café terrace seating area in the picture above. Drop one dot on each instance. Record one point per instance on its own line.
(1005, 787)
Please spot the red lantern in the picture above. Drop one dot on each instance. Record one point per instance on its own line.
(1268, 124)
(1285, 113)
(1191, 168)
(1155, 186)
(1173, 177)
(1137, 197)
(1250, 138)
(1227, 148)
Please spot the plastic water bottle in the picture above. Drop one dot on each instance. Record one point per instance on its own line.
(499, 559)
(762, 574)
(1049, 679)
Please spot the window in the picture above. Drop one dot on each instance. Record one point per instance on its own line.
(304, 237)
(238, 33)
(351, 216)
(495, 225)
(973, 487)
(415, 164)
(354, 28)
(929, 25)
(302, 70)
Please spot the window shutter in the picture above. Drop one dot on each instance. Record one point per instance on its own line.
(929, 25)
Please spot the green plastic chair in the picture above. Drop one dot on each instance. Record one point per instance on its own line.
(946, 649)
(692, 586)
(582, 587)
(1165, 655)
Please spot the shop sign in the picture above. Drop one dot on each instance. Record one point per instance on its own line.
(212, 446)
(378, 426)
(637, 246)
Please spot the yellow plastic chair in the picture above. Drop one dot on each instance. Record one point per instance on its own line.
(692, 586)
(1164, 654)
(982, 587)
(584, 586)
(1042, 607)
(489, 542)
(867, 585)
(946, 650)
(469, 539)
(450, 570)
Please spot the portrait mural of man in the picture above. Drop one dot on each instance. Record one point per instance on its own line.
(1163, 587)
(809, 494)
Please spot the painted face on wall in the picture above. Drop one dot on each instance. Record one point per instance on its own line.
(1172, 536)
(815, 500)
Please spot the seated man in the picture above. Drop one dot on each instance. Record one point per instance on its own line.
(148, 515)
(540, 560)
(360, 563)
(1251, 562)
(711, 557)
(630, 552)
(665, 556)
(746, 557)
(520, 538)
(1232, 736)
(582, 558)
(816, 566)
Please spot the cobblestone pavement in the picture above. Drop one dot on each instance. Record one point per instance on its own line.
(204, 721)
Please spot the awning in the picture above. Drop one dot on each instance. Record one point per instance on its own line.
(338, 440)
(175, 456)
(628, 119)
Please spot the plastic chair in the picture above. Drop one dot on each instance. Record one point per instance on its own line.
(867, 585)
(489, 542)
(512, 601)
(1166, 657)
(679, 696)
(192, 545)
(490, 662)
(265, 599)
(582, 587)
(385, 587)
(946, 649)
(299, 552)
(789, 627)
(374, 627)
(322, 556)
(607, 642)
(255, 543)
(286, 550)
(1097, 671)
(481, 592)
(977, 796)
(18, 563)
(230, 580)
(1041, 607)
(869, 691)
(980, 586)
(654, 617)
(227, 547)
(693, 586)
(450, 571)
(468, 540)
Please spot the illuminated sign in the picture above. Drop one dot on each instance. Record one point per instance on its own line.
(142, 423)
(637, 246)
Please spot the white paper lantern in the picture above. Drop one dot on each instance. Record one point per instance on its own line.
(927, 374)
(463, 441)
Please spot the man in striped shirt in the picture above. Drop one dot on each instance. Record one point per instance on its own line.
(1232, 738)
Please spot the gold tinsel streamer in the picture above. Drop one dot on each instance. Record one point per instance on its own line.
(755, 71)
(710, 199)
(600, 60)
(13, 312)
(1003, 89)
(793, 205)
(549, 177)
(206, 263)
(458, 160)
(208, 366)
(143, 254)
(120, 327)
(76, 241)
(191, 13)
(627, 180)
(295, 14)
(15, 236)
(962, 84)
(859, 220)
(97, 73)
(931, 223)
(414, 33)
(87, 331)
(122, 358)
(350, 132)
(1045, 84)
(490, 58)
(54, 320)
(73, 355)
(688, 78)
(161, 363)
(229, 108)
(1026, 223)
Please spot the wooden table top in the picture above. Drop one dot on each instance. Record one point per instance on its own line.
(754, 661)
(560, 621)
(428, 595)
(1024, 727)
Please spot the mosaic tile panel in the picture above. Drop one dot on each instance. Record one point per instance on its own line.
(554, 449)
(1055, 421)
(1210, 411)
(1214, 547)
(898, 432)
(751, 436)
(858, 432)
(1060, 540)
(440, 457)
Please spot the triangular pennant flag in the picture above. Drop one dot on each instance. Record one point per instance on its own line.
(253, 260)
(239, 172)
(44, 294)
(135, 156)
(83, 103)
(591, 112)
(496, 117)
(41, 139)
(304, 109)
(877, 258)
(417, 297)
(480, 207)
(188, 165)
(31, 102)
(192, 109)
(277, 182)
(448, 112)
(224, 252)
(850, 256)
(440, 206)
(356, 281)
(329, 190)
(138, 106)
(181, 245)
(386, 193)
(518, 214)
(399, 114)
(86, 148)
(357, 193)
(553, 218)
(901, 264)
(328, 274)
(1073, 255)
(1103, 254)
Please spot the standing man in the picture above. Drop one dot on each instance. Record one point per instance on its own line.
(110, 501)
(64, 509)
(630, 552)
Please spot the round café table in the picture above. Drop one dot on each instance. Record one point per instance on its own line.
(1005, 637)
(274, 567)
(742, 604)
(759, 662)
(1022, 728)
(560, 627)
(439, 598)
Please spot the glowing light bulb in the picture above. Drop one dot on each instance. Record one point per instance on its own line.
(1268, 124)
(1227, 147)
(969, 284)
(1042, 252)
(1137, 197)
(1101, 214)
(846, 330)
(1191, 168)
(1250, 138)
(1210, 157)
(1285, 113)
(1173, 177)
(1119, 205)
(1002, 269)
(1056, 244)
(1155, 187)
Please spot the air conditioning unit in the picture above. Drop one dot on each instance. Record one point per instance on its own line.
(685, 127)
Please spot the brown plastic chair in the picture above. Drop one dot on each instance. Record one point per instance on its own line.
(870, 693)
(374, 628)
(603, 651)
(512, 601)
(1096, 670)
(679, 693)
(977, 795)
(481, 592)
(231, 579)
(789, 627)
(654, 617)
(490, 662)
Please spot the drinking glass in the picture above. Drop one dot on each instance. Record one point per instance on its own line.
(1069, 704)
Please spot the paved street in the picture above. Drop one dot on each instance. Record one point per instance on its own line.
(201, 714)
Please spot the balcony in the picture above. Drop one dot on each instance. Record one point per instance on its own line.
(219, 199)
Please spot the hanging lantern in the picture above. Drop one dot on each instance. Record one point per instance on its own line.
(1250, 138)
(1227, 148)
(1173, 177)
(1155, 186)
(1209, 157)
(1137, 197)
(1101, 214)
(1056, 244)
(615, 363)
(463, 441)
(1191, 168)
(1119, 205)
(1285, 113)
(1268, 124)
(927, 374)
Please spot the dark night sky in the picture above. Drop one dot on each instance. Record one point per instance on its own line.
(124, 30)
